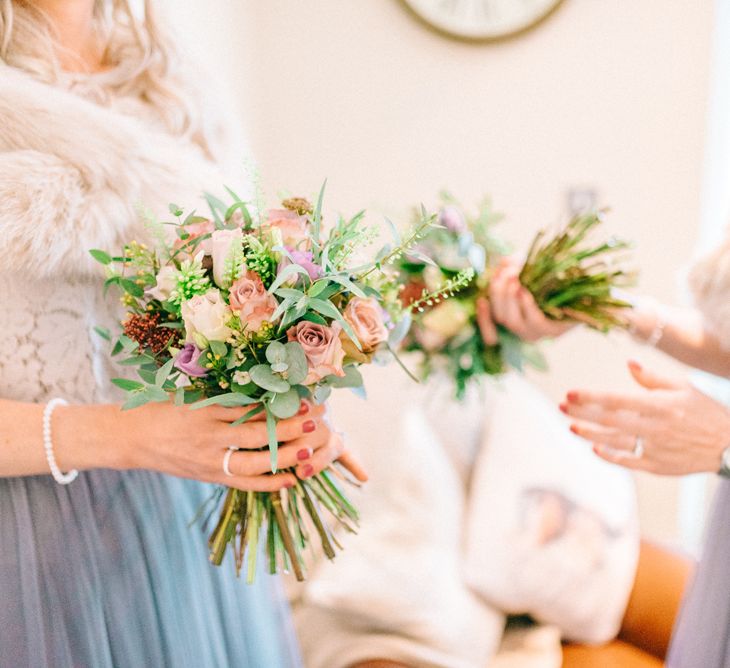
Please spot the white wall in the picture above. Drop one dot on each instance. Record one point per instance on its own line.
(605, 94)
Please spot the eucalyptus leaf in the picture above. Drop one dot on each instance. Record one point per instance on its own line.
(352, 378)
(262, 375)
(135, 400)
(164, 372)
(285, 405)
(273, 443)
(229, 400)
(297, 361)
(400, 331)
(276, 353)
(128, 385)
(103, 332)
(287, 273)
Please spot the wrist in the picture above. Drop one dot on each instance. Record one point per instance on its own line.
(84, 437)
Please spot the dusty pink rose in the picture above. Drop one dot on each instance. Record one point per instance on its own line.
(294, 228)
(250, 300)
(366, 319)
(322, 347)
(195, 231)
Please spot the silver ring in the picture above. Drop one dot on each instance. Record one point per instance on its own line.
(227, 460)
(638, 451)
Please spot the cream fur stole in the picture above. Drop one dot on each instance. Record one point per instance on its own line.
(74, 174)
(710, 282)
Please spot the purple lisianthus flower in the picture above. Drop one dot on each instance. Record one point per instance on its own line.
(452, 218)
(304, 259)
(187, 361)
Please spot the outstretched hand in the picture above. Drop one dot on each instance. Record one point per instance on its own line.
(681, 430)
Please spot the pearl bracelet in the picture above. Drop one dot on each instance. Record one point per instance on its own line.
(58, 476)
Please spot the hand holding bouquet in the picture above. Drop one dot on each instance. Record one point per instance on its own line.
(569, 279)
(256, 315)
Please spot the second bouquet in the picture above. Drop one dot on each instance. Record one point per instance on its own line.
(238, 311)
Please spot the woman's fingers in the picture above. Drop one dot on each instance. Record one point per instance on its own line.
(620, 458)
(651, 380)
(254, 435)
(350, 462)
(613, 438)
(260, 483)
(642, 403)
(629, 422)
(257, 414)
(247, 463)
(322, 457)
(487, 328)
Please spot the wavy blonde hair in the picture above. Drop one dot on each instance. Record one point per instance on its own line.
(131, 39)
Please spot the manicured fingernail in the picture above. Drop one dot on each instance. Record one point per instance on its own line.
(303, 408)
(309, 426)
(288, 485)
(572, 396)
(574, 429)
(307, 470)
(304, 453)
(634, 365)
(563, 408)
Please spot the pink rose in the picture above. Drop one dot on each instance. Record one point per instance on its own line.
(250, 300)
(322, 348)
(294, 229)
(366, 319)
(195, 231)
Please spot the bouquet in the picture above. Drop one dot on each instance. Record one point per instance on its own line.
(240, 311)
(570, 279)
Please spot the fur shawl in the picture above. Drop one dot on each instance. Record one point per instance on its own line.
(710, 283)
(74, 174)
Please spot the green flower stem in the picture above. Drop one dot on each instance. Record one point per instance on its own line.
(286, 536)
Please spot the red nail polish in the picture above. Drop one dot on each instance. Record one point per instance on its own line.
(288, 485)
(572, 396)
(574, 429)
(308, 470)
(304, 453)
(304, 408)
(563, 408)
(309, 426)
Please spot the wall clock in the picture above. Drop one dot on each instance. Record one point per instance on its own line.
(482, 19)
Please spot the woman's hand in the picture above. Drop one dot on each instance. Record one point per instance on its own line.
(511, 305)
(192, 443)
(682, 430)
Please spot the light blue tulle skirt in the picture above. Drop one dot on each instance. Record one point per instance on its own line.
(702, 635)
(106, 573)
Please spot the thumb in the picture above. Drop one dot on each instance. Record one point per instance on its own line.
(651, 380)
(487, 328)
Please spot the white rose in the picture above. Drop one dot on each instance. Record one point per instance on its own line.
(208, 316)
(222, 245)
(447, 319)
(166, 283)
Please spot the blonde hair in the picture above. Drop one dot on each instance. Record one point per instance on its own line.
(131, 39)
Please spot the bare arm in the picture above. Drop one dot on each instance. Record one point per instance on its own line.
(685, 337)
(171, 439)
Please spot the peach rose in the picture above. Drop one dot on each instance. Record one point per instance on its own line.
(294, 229)
(250, 300)
(366, 319)
(322, 348)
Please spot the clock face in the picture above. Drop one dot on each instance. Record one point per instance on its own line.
(482, 19)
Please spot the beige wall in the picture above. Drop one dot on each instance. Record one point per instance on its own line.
(609, 95)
